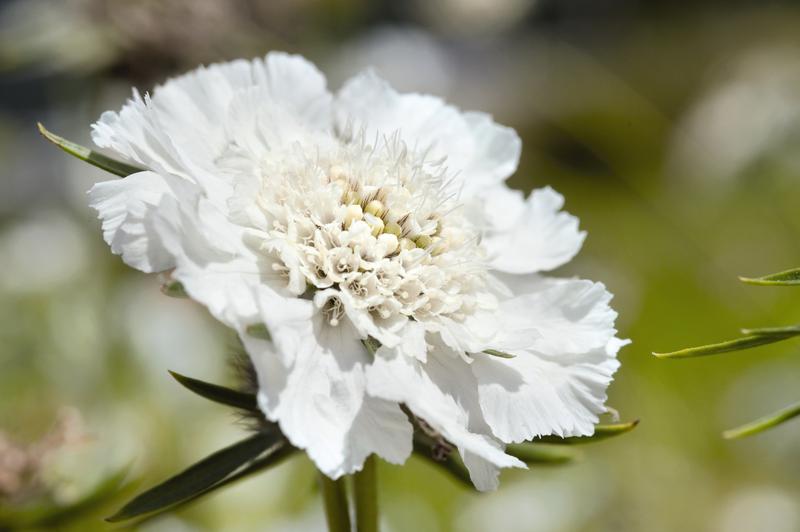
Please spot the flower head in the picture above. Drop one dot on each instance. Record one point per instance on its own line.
(372, 233)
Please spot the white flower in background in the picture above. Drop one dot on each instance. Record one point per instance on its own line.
(332, 219)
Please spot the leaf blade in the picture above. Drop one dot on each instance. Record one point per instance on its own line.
(92, 157)
(542, 453)
(274, 456)
(784, 278)
(218, 394)
(601, 432)
(739, 344)
(197, 478)
(791, 330)
(763, 423)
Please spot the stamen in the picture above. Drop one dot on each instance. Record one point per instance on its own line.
(333, 311)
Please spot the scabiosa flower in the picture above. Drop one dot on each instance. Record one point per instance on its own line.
(371, 232)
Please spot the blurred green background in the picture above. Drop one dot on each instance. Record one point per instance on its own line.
(672, 128)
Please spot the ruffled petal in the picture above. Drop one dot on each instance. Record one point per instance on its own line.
(184, 127)
(211, 262)
(318, 400)
(484, 474)
(440, 392)
(556, 317)
(126, 208)
(530, 395)
(527, 236)
(477, 151)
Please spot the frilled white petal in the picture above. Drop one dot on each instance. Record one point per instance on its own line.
(184, 127)
(381, 428)
(440, 392)
(211, 262)
(318, 400)
(530, 395)
(564, 315)
(472, 334)
(478, 151)
(526, 236)
(483, 473)
(126, 208)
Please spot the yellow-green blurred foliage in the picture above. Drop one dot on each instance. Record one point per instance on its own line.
(672, 128)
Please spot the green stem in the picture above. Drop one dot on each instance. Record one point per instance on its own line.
(334, 497)
(365, 495)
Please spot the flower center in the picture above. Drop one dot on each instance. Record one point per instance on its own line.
(375, 222)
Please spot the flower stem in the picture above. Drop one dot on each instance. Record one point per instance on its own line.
(334, 498)
(365, 495)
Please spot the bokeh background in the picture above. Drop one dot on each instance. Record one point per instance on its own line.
(672, 128)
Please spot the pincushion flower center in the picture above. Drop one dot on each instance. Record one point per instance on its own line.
(378, 224)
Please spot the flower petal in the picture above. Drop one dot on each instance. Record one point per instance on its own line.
(182, 128)
(319, 399)
(566, 315)
(211, 262)
(126, 207)
(480, 152)
(440, 392)
(529, 236)
(529, 395)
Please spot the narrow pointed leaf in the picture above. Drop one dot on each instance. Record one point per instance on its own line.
(739, 344)
(496, 353)
(787, 278)
(90, 156)
(792, 330)
(272, 457)
(542, 453)
(174, 289)
(217, 393)
(601, 432)
(764, 423)
(198, 478)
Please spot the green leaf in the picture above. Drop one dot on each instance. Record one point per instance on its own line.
(601, 432)
(792, 330)
(739, 344)
(787, 278)
(496, 353)
(764, 423)
(217, 393)
(275, 455)
(198, 478)
(173, 289)
(542, 453)
(90, 156)
(259, 330)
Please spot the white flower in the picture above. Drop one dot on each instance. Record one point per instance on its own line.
(333, 219)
